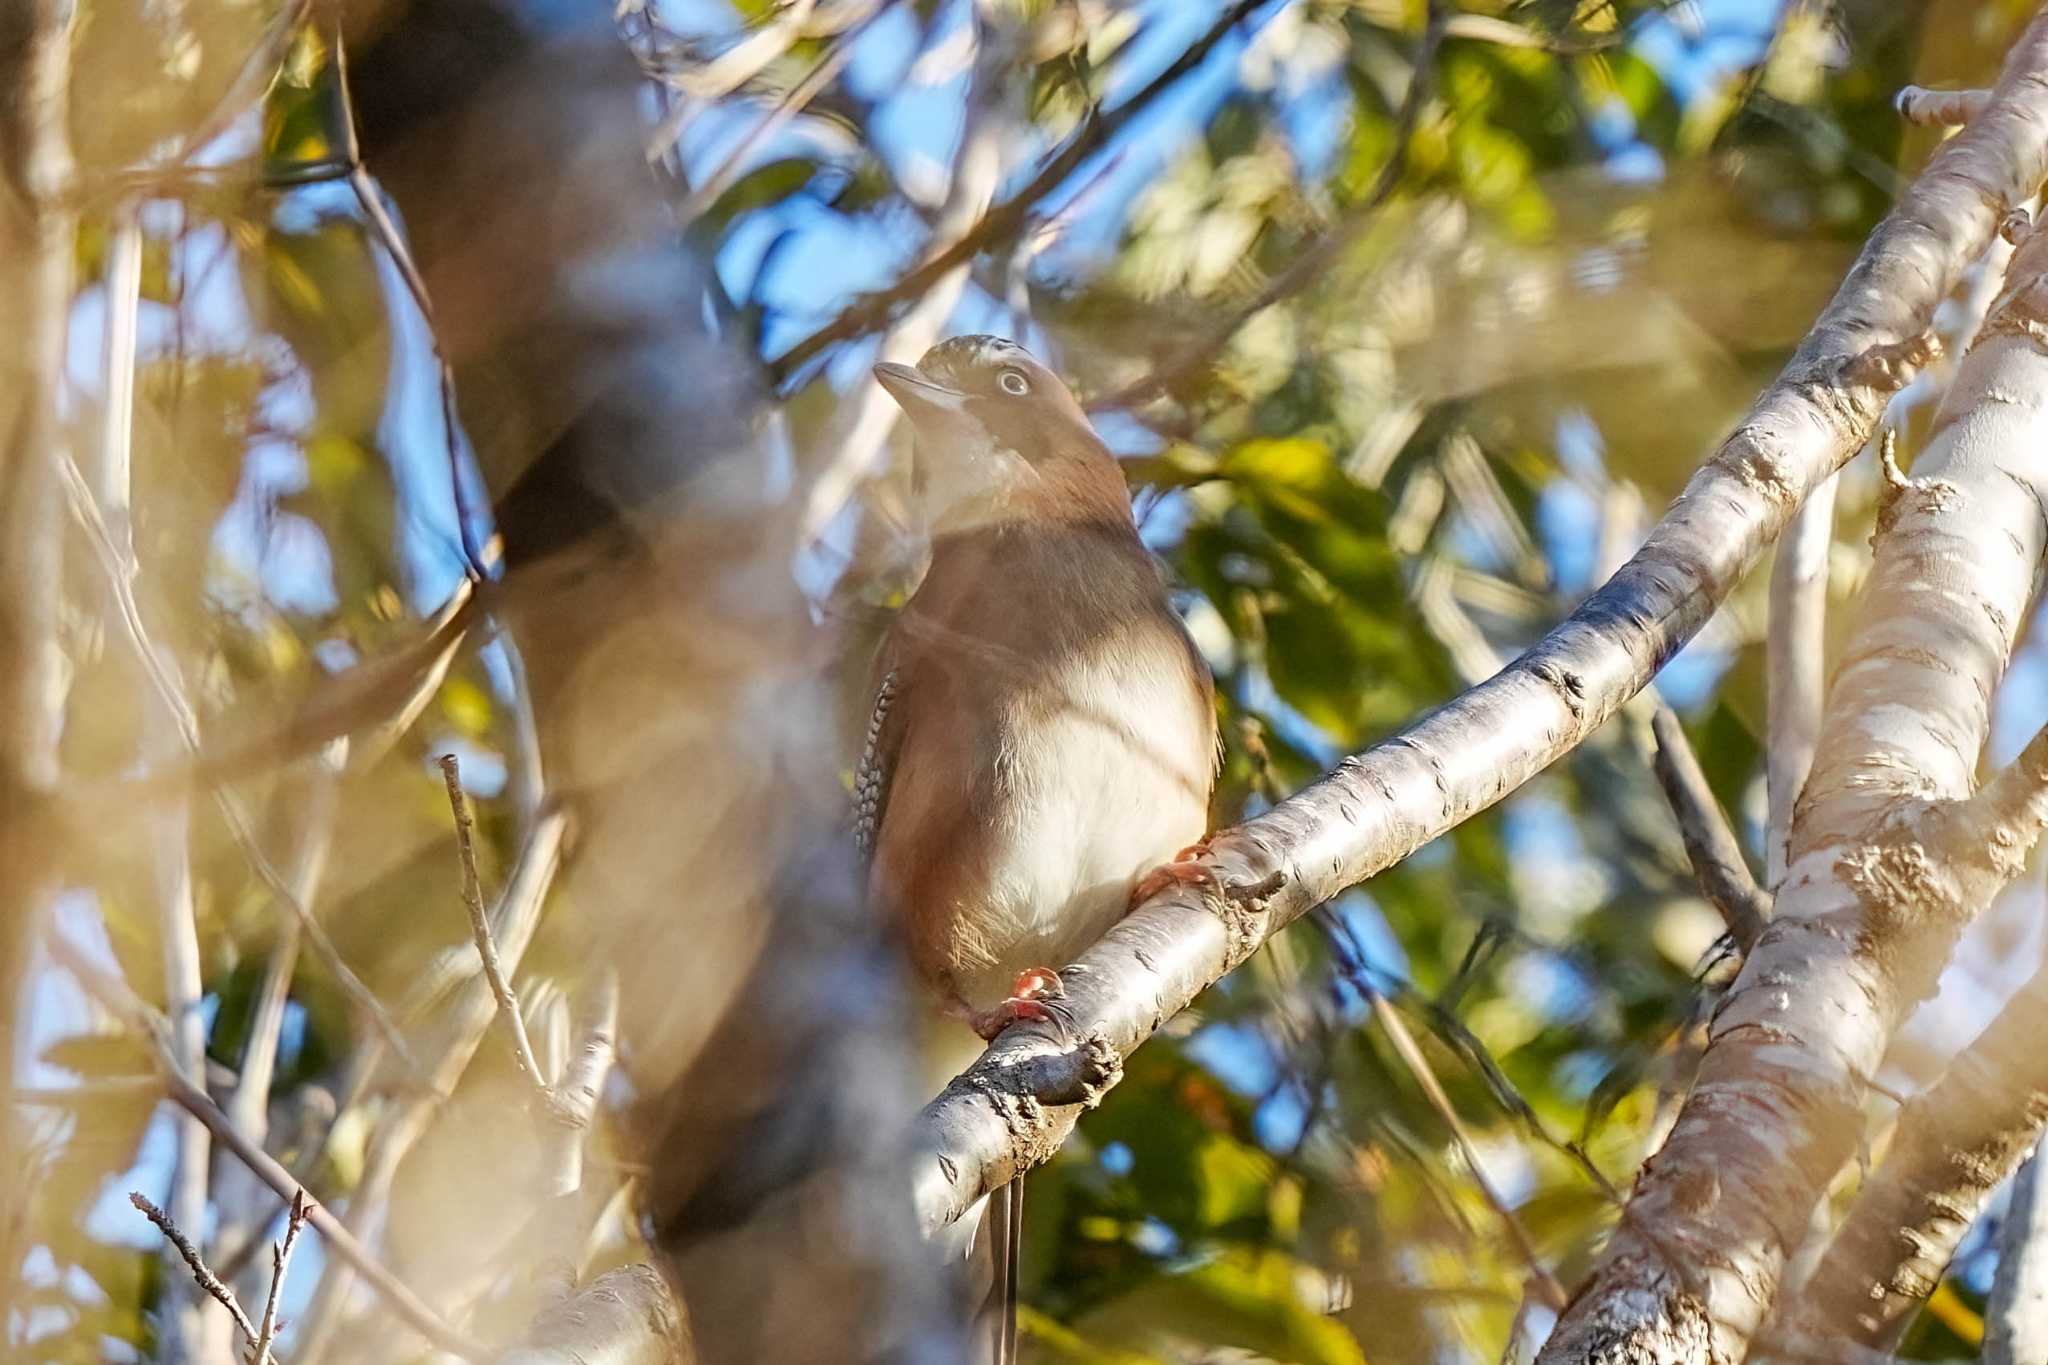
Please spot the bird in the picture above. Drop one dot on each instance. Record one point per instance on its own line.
(1041, 748)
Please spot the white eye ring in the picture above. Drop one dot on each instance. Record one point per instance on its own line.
(1014, 382)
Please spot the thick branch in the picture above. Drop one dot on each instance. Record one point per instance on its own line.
(1954, 1146)
(1885, 866)
(1378, 807)
(624, 1317)
(2016, 1319)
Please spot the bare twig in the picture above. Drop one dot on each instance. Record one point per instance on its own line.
(1377, 807)
(1939, 108)
(706, 192)
(480, 929)
(1715, 852)
(1314, 262)
(468, 1019)
(205, 1278)
(280, 1259)
(1542, 1282)
(1006, 219)
(114, 994)
(120, 572)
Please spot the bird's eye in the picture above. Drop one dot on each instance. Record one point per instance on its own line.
(1014, 382)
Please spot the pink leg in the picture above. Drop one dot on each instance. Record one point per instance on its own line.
(1029, 995)
(1180, 872)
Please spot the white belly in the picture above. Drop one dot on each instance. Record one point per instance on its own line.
(1104, 783)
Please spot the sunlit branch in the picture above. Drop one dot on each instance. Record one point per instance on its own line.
(1377, 807)
(1940, 108)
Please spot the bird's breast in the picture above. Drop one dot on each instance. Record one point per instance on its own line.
(1100, 772)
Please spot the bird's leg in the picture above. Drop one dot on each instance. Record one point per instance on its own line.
(1036, 996)
(1182, 871)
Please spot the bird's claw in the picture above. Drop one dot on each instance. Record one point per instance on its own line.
(1037, 996)
(1182, 871)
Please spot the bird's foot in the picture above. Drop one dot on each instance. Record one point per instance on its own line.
(1182, 871)
(1036, 996)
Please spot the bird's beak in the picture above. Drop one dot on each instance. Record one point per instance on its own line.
(914, 392)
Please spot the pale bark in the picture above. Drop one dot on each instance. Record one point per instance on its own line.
(1890, 856)
(624, 1317)
(1954, 1145)
(1017, 1104)
(2016, 1320)
(37, 230)
(1796, 666)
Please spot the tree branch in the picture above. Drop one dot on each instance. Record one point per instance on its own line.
(624, 1317)
(1884, 871)
(1376, 808)
(1939, 108)
(2016, 1320)
(1954, 1145)
(1715, 852)
(1005, 220)
(480, 931)
(116, 997)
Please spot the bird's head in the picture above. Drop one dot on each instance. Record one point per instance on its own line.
(994, 426)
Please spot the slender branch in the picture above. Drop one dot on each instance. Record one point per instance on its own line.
(1376, 808)
(1005, 220)
(204, 1277)
(1542, 1283)
(1715, 852)
(1796, 666)
(401, 1125)
(1313, 263)
(115, 996)
(38, 246)
(1885, 869)
(120, 573)
(480, 930)
(280, 1260)
(822, 73)
(1940, 108)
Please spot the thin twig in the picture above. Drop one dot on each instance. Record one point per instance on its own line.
(480, 929)
(114, 995)
(1312, 264)
(1545, 1283)
(705, 193)
(206, 1279)
(1004, 220)
(280, 1258)
(1716, 854)
(120, 572)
